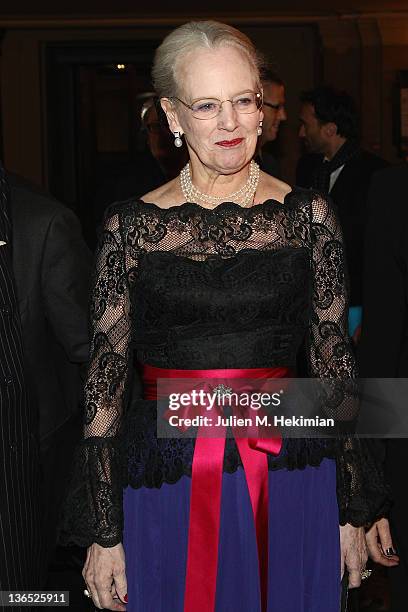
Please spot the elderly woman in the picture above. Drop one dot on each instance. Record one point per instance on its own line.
(223, 271)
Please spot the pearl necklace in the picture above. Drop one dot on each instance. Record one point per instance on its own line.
(244, 196)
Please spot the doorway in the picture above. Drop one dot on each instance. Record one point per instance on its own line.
(94, 95)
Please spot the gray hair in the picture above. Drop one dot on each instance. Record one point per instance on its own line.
(190, 37)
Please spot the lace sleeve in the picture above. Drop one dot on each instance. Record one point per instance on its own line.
(93, 510)
(361, 490)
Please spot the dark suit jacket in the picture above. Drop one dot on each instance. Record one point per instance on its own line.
(383, 348)
(19, 461)
(268, 163)
(350, 196)
(52, 272)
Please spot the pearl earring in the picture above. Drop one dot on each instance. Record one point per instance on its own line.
(177, 140)
(259, 130)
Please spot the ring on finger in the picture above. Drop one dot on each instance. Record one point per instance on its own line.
(365, 573)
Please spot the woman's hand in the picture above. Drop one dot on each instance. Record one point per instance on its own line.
(379, 543)
(353, 553)
(104, 574)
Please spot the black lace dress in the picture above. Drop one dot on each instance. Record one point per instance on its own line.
(193, 288)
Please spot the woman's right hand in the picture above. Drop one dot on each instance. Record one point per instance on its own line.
(353, 553)
(105, 578)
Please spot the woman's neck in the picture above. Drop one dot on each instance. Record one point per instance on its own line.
(219, 188)
(213, 183)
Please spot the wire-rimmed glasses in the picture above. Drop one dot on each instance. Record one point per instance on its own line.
(244, 103)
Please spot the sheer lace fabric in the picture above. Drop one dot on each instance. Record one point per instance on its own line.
(189, 287)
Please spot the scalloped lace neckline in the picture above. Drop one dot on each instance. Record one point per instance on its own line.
(221, 205)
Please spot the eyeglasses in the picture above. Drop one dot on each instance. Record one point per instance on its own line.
(207, 108)
(274, 106)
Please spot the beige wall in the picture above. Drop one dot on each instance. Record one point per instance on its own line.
(394, 42)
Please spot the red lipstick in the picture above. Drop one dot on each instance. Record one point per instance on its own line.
(229, 143)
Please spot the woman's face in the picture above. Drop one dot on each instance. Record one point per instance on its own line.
(227, 142)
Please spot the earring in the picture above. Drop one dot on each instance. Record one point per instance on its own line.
(259, 130)
(177, 140)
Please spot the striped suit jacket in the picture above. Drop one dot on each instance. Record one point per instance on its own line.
(20, 553)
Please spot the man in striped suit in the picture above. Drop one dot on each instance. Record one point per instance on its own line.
(20, 549)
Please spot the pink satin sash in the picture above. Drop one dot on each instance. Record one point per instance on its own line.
(206, 487)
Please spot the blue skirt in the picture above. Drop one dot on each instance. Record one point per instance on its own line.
(304, 548)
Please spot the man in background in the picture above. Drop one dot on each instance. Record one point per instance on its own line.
(160, 162)
(160, 140)
(52, 269)
(20, 537)
(274, 114)
(337, 165)
(383, 349)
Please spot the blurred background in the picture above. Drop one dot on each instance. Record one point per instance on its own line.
(73, 75)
